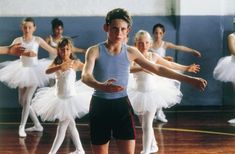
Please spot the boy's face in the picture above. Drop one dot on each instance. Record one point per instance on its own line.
(117, 30)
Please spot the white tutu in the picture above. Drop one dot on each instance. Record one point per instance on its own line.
(50, 107)
(152, 92)
(225, 69)
(47, 62)
(14, 74)
(5, 63)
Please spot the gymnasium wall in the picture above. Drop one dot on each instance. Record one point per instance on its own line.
(202, 26)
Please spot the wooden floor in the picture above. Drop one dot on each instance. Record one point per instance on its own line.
(189, 131)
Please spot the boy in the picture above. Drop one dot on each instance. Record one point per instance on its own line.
(106, 69)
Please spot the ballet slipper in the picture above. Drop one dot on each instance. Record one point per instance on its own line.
(161, 116)
(155, 118)
(22, 131)
(145, 152)
(35, 128)
(231, 121)
(78, 152)
(154, 148)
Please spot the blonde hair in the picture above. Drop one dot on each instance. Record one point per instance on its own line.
(142, 33)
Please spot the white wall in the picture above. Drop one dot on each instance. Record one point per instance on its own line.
(205, 7)
(24, 8)
(82, 7)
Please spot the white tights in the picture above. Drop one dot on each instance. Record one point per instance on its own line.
(232, 121)
(148, 138)
(60, 135)
(25, 97)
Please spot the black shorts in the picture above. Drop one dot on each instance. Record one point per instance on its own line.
(111, 118)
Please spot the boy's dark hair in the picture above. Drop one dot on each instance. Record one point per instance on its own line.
(118, 13)
(28, 19)
(63, 42)
(56, 22)
(160, 26)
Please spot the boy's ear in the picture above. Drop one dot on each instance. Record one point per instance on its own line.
(105, 27)
(128, 29)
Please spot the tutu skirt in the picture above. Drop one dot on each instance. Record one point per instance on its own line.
(50, 107)
(5, 63)
(225, 69)
(153, 94)
(14, 74)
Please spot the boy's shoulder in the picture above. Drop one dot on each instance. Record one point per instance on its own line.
(93, 50)
(94, 47)
(131, 48)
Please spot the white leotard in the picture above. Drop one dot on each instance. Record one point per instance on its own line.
(32, 46)
(160, 51)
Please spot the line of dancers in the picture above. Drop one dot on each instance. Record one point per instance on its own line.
(102, 91)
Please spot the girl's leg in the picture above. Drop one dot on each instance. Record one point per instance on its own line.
(60, 134)
(76, 138)
(232, 121)
(27, 110)
(148, 133)
(22, 101)
(37, 125)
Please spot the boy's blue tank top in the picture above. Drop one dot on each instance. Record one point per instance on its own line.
(109, 66)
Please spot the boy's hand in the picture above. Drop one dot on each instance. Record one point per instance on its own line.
(108, 86)
(16, 49)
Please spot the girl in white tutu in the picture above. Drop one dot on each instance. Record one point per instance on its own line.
(66, 100)
(57, 26)
(149, 92)
(225, 69)
(160, 46)
(27, 73)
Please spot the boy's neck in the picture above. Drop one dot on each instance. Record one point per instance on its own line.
(113, 48)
